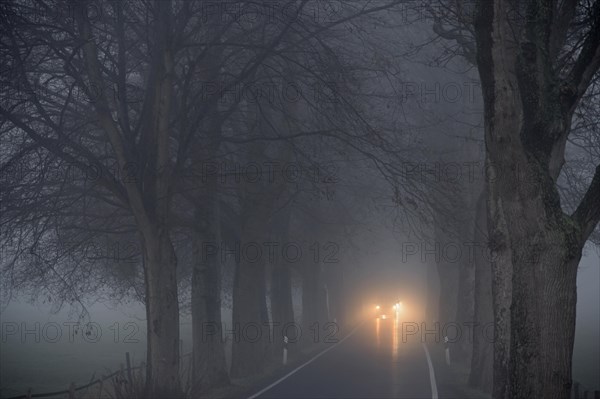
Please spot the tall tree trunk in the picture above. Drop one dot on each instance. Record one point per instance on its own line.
(149, 196)
(502, 114)
(250, 313)
(467, 231)
(250, 321)
(311, 295)
(528, 114)
(502, 274)
(209, 365)
(210, 368)
(282, 309)
(537, 341)
(543, 318)
(482, 361)
(465, 302)
(448, 271)
(433, 293)
(162, 310)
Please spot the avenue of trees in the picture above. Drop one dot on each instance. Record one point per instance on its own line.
(142, 140)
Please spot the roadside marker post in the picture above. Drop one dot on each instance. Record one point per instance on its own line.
(285, 343)
(447, 350)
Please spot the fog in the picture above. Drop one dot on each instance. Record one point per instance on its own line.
(32, 359)
(299, 198)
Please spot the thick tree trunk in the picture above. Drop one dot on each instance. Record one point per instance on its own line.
(149, 197)
(449, 271)
(210, 368)
(534, 272)
(162, 310)
(282, 310)
(465, 304)
(558, 321)
(543, 316)
(312, 298)
(433, 294)
(528, 113)
(502, 278)
(482, 360)
(467, 231)
(545, 248)
(250, 319)
(209, 365)
(502, 118)
(249, 326)
(250, 312)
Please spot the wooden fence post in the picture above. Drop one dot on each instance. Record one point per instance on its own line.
(128, 361)
(576, 391)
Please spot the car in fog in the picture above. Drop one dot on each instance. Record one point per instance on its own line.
(389, 309)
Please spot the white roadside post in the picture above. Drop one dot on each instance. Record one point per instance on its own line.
(285, 342)
(447, 347)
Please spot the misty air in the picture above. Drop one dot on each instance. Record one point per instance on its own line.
(300, 199)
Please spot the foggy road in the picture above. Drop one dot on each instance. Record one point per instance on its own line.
(373, 362)
(183, 180)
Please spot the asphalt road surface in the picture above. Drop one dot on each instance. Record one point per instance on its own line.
(375, 361)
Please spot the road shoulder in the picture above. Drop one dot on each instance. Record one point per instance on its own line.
(453, 380)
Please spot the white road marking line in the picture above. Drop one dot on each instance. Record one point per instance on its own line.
(434, 392)
(305, 364)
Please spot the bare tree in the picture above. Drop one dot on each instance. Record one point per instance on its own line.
(536, 61)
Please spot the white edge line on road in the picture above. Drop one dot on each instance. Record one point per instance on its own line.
(434, 392)
(305, 364)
